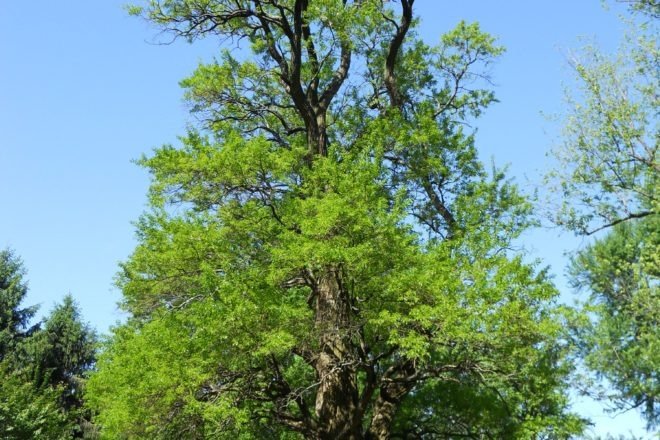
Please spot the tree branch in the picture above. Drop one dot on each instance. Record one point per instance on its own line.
(396, 100)
(630, 216)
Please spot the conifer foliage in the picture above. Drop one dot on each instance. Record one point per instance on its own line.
(14, 320)
(42, 366)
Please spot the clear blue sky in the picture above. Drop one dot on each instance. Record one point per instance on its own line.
(83, 91)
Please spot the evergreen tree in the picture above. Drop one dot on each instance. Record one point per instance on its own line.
(42, 370)
(62, 352)
(14, 321)
(621, 272)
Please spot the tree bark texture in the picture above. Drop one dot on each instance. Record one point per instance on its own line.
(337, 395)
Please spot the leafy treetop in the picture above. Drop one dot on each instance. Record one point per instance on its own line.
(326, 257)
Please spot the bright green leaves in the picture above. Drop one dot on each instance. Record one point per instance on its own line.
(218, 296)
(175, 376)
(471, 43)
(330, 232)
(29, 412)
(339, 216)
(155, 369)
(158, 370)
(441, 301)
(460, 49)
(206, 174)
(489, 329)
(165, 268)
(425, 151)
(242, 96)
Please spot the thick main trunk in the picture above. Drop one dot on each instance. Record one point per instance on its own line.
(337, 394)
(317, 137)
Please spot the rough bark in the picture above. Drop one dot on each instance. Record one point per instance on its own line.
(337, 394)
(396, 99)
(395, 386)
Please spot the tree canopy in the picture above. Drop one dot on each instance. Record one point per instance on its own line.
(62, 352)
(325, 256)
(14, 321)
(621, 274)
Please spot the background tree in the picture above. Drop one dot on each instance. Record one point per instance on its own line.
(326, 257)
(608, 175)
(62, 352)
(58, 357)
(25, 411)
(649, 7)
(14, 321)
(608, 165)
(41, 369)
(621, 272)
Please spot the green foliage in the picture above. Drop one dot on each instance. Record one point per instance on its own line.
(41, 367)
(14, 321)
(329, 247)
(608, 165)
(27, 411)
(622, 274)
(650, 8)
(62, 352)
(608, 175)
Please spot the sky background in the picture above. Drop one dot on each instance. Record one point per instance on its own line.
(85, 89)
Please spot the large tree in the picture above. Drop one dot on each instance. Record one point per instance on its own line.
(326, 257)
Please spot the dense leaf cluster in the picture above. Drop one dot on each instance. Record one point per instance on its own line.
(621, 273)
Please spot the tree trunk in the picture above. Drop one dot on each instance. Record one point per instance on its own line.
(337, 395)
(322, 141)
(387, 404)
(384, 410)
(317, 137)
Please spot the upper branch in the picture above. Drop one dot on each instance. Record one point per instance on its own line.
(396, 100)
(630, 216)
(338, 79)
